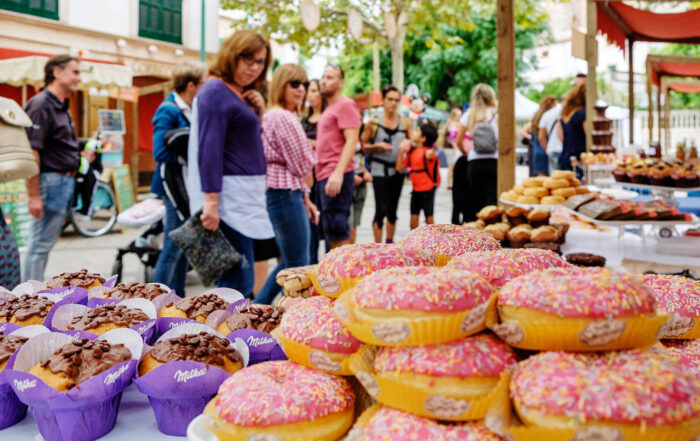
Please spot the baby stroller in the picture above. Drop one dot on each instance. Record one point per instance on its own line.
(146, 246)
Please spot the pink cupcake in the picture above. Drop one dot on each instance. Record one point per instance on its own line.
(447, 241)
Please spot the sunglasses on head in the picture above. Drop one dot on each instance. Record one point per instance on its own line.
(296, 83)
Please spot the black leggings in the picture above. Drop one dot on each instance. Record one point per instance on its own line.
(387, 192)
(461, 193)
(483, 180)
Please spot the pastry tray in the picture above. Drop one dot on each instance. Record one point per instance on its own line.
(619, 223)
(527, 206)
(654, 187)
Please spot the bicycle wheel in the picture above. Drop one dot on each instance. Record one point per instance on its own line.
(103, 213)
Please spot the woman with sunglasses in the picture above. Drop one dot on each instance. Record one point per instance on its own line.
(290, 159)
(226, 173)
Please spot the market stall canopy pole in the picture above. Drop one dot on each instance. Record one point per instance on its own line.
(505, 25)
(30, 71)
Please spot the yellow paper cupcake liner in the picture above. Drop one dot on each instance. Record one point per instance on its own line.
(677, 324)
(330, 286)
(574, 334)
(403, 395)
(405, 331)
(442, 260)
(331, 362)
(604, 432)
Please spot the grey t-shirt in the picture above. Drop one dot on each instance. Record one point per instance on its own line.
(393, 137)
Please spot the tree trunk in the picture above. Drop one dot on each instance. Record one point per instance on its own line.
(397, 46)
(375, 66)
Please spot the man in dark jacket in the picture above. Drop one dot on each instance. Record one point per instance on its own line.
(173, 113)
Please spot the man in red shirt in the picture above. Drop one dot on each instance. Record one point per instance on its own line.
(338, 132)
(419, 156)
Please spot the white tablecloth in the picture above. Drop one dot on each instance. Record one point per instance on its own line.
(135, 422)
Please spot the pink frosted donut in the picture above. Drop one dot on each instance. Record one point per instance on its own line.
(278, 393)
(389, 424)
(687, 352)
(312, 322)
(358, 260)
(501, 266)
(623, 387)
(450, 240)
(481, 355)
(675, 294)
(579, 292)
(431, 289)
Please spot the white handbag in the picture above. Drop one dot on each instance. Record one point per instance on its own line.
(17, 159)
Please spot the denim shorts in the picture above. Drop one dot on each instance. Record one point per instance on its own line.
(335, 211)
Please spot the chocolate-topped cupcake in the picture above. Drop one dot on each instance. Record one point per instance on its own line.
(195, 308)
(8, 345)
(80, 279)
(263, 318)
(25, 310)
(132, 290)
(202, 347)
(78, 361)
(585, 259)
(107, 317)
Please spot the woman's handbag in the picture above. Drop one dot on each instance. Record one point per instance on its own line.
(17, 159)
(209, 252)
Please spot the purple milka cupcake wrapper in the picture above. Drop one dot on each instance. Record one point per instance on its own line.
(12, 410)
(56, 298)
(262, 346)
(95, 298)
(88, 423)
(70, 294)
(6, 328)
(146, 330)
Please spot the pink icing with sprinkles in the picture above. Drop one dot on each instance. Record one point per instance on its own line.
(501, 266)
(357, 260)
(675, 294)
(394, 425)
(450, 240)
(422, 289)
(281, 392)
(481, 355)
(312, 322)
(579, 292)
(687, 352)
(627, 387)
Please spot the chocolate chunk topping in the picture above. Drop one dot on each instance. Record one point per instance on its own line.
(262, 318)
(8, 345)
(120, 315)
(83, 359)
(202, 305)
(25, 307)
(202, 347)
(81, 279)
(585, 259)
(140, 290)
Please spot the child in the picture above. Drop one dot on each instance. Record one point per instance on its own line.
(419, 156)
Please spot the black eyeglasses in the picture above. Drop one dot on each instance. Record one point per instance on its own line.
(296, 83)
(251, 61)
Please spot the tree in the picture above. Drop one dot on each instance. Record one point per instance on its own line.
(279, 19)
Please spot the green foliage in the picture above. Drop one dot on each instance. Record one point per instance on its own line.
(556, 87)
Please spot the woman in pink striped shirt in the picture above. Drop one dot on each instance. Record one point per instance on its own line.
(290, 159)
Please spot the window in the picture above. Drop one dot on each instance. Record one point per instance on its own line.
(161, 20)
(40, 8)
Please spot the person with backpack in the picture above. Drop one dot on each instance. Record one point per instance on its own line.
(548, 134)
(381, 139)
(540, 160)
(168, 183)
(418, 155)
(481, 120)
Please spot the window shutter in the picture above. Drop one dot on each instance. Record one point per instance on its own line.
(161, 20)
(39, 8)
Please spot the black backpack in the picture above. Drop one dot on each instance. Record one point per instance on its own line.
(176, 140)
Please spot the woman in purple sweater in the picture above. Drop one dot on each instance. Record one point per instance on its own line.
(229, 183)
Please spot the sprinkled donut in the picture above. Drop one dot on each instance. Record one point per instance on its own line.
(440, 381)
(312, 335)
(395, 303)
(450, 240)
(577, 309)
(687, 352)
(629, 387)
(284, 400)
(387, 424)
(501, 266)
(679, 296)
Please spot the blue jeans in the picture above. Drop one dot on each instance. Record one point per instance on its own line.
(290, 221)
(57, 193)
(241, 276)
(554, 161)
(171, 267)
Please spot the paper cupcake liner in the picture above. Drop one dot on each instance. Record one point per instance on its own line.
(396, 331)
(442, 260)
(403, 395)
(6, 328)
(682, 328)
(331, 362)
(12, 410)
(262, 346)
(330, 286)
(573, 334)
(83, 413)
(179, 391)
(72, 294)
(602, 432)
(28, 287)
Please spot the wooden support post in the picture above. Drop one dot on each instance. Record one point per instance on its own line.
(658, 116)
(505, 29)
(650, 104)
(667, 113)
(592, 59)
(24, 95)
(630, 47)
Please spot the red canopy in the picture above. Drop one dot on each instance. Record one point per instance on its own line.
(6, 53)
(684, 88)
(619, 21)
(673, 66)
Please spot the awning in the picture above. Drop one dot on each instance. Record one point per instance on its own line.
(673, 66)
(684, 88)
(619, 21)
(29, 70)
